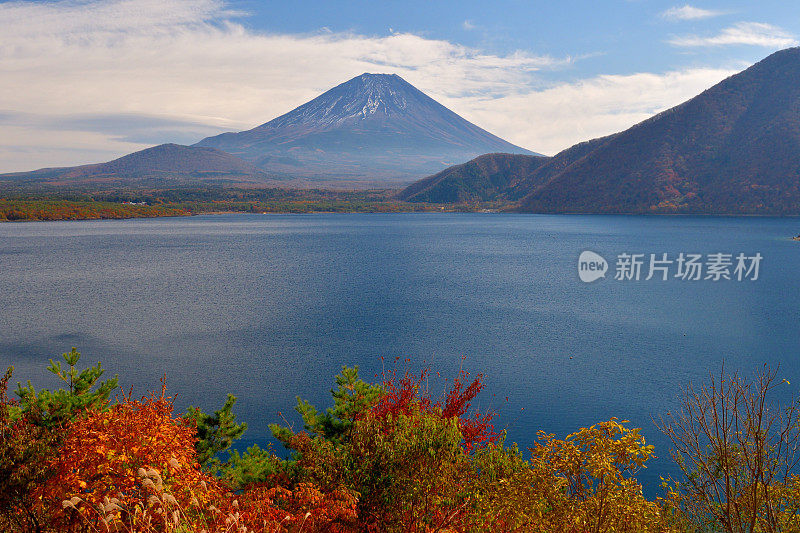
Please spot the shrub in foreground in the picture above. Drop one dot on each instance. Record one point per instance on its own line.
(419, 464)
(133, 466)
(388, 457)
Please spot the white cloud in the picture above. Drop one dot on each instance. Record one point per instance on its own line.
(747, 33)
(87, 81)
(553, 119)
(688, 12)
(468, 25)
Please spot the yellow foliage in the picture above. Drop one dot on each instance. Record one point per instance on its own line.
(588, 480)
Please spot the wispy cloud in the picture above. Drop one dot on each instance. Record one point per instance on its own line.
(688, 12)
(468, 25)
(743, 33)
(123, 127)
(557, 117)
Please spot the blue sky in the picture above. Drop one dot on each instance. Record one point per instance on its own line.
(620, 37)
(83, 81)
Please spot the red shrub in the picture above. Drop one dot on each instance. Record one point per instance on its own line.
(402, 393)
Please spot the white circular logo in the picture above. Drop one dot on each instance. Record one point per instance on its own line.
(591, 266)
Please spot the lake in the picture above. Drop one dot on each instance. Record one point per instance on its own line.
(269, 307)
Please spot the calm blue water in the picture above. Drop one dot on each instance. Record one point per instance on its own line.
(270, 307)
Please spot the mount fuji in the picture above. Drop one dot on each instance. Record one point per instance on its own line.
(372, 126)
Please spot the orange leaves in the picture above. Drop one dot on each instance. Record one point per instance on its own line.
(134, 468)
(306, 506)
(131, 452)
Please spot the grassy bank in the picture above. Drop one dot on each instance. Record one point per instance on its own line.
(86, 204)
(58, 209)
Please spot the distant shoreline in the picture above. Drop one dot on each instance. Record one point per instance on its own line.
(117, 204)
(176, 213)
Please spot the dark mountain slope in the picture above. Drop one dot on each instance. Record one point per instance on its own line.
(735, 148)
(493, 177)
(487, 177)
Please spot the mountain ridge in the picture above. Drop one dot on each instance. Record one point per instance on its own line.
(169, 161)
(734, 148)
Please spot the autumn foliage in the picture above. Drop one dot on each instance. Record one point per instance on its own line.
(132, 466)
(408, 395)
(420, 463)
(388, 456)
(130, 454)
